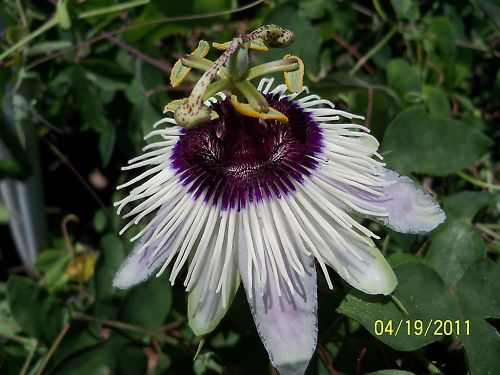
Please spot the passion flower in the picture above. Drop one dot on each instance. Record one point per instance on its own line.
(261, 186)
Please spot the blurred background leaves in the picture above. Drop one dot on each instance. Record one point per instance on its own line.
(84, 80)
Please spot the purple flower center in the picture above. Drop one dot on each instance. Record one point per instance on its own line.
(240, 159)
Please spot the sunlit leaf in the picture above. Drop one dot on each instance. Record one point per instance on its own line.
(416, 142)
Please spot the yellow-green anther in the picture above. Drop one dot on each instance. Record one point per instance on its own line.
(272, 36)
(295, 79)
(180, 71)
(258, 45)
(193, 112)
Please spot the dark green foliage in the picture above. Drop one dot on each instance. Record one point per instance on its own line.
(430, 94)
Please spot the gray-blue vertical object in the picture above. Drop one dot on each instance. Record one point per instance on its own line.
(24, 198)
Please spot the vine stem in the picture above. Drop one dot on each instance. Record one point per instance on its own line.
(488, 231)
(29, 358)
(477, 182)
(28, 38)
(126, 326)
(53, 348)
(373, 51)
(112, 8)
(137, 26)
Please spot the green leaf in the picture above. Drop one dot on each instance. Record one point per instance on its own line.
(422, 293)
(144, 113)
(402, 77)
(38, 313)
(111, 256)
(425, 296)
(100, 220)
(315, 9)
(416, 142)
(19, 166)
(5, 214)
(115, 355)
(436, 101)
(476, 297)
(391, 372)
(107, 143)
(159, 9)
(457, 244)
(466, 204)
(399, 258)
(443, 34)
(88, 102)
(307, 38)
(491, 10)
(52, 264)
(406, 9)
(454, 249)
(8, 325)
(148, 304)
(78, 338)
(339, 81)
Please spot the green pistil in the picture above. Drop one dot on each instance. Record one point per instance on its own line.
(231, 72)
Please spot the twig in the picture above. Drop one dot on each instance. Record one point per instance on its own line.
(373, 51)
(126, 326)
(53, 348)
(64, 229)
(21, 43)
(139, 25)
(359, 360)
(161, 88)
(24, 21)
(135, 52)
(63, 158)
(29, 358)
(352, 51)
(327, 360)
(431, 367)
(171, 326)
(47, 123)
(369, 107)
(488, 231)
(476, 182)
(465, 44)
(441, 76)
(112, 8)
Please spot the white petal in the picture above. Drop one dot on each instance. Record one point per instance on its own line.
(144, 258)
(216, 281)
(410, 208)
(347, 250)
(286, 320)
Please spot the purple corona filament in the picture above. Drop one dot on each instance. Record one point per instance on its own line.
(238, 158)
